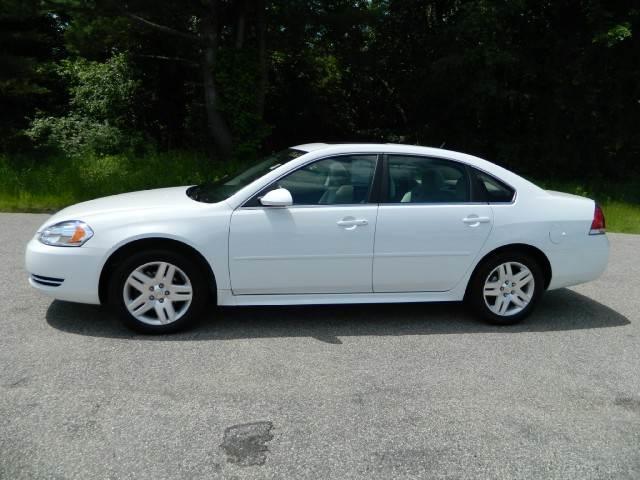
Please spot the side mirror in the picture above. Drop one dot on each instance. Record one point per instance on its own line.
(280, 197)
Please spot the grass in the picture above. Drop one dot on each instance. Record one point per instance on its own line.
(622, 217)
(31, 185)
(28, 185)
(620, 201)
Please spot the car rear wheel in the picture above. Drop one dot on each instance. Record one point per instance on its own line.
(505, 287)
(158, 291)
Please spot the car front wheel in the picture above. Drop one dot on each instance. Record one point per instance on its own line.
(158, 291)
(506, 287)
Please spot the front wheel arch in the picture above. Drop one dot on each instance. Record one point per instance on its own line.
(150, 244)
(523, 248)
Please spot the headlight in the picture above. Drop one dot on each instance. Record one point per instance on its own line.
(66, 234)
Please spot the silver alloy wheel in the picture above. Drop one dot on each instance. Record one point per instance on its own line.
(157, 293)
(508, 289)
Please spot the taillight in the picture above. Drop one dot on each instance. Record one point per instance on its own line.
(598, 224)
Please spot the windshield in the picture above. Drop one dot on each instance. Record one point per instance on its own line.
(223, 188)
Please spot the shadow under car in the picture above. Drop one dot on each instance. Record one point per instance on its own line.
(558, 310)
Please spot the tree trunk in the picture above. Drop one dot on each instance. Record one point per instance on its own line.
(219, 141)
(240, 26)
(263, 64)
(218, 131)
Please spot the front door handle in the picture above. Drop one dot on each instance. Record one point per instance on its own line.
(474, 220)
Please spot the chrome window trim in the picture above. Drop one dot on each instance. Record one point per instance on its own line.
(380, 155)
(433, 204)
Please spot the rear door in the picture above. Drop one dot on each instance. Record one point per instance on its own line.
(428, 231)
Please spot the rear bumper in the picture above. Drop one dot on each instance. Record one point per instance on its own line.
(65, 273)
(580, 262)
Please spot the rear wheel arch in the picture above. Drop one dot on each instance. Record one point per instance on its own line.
(537, 254)
(153, 243)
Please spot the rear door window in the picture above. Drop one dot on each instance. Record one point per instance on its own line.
(415, 179)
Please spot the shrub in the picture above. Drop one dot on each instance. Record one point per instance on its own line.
(99, 119)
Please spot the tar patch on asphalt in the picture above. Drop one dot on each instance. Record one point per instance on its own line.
(630, 403)
(245, 445)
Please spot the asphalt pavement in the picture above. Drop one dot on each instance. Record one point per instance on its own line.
(331, 392)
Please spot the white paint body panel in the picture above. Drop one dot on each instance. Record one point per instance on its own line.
(299, 255)
(162, 213)
(301, 250)
(426, 248)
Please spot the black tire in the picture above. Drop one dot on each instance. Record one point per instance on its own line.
(193, 271)
(475, 294)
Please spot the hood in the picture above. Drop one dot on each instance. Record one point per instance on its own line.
(161, 198)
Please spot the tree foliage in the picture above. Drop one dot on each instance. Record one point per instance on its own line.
(29, 42)
(548, 88)
(99, 117)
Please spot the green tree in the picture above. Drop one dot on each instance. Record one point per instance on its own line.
(30, 41)
(547, 88)
(99, 118)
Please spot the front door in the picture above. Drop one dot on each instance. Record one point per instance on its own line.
(323, 243)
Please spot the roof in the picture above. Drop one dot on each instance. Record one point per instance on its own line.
(310, 147)
(372, 146)
(397, 148)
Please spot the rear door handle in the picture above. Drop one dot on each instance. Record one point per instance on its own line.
(474, 220)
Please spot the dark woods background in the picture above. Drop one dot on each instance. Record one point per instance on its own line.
(549, 88)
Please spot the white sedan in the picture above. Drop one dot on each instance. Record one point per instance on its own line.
(324, 224)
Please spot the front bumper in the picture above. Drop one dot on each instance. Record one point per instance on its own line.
(65, 273)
